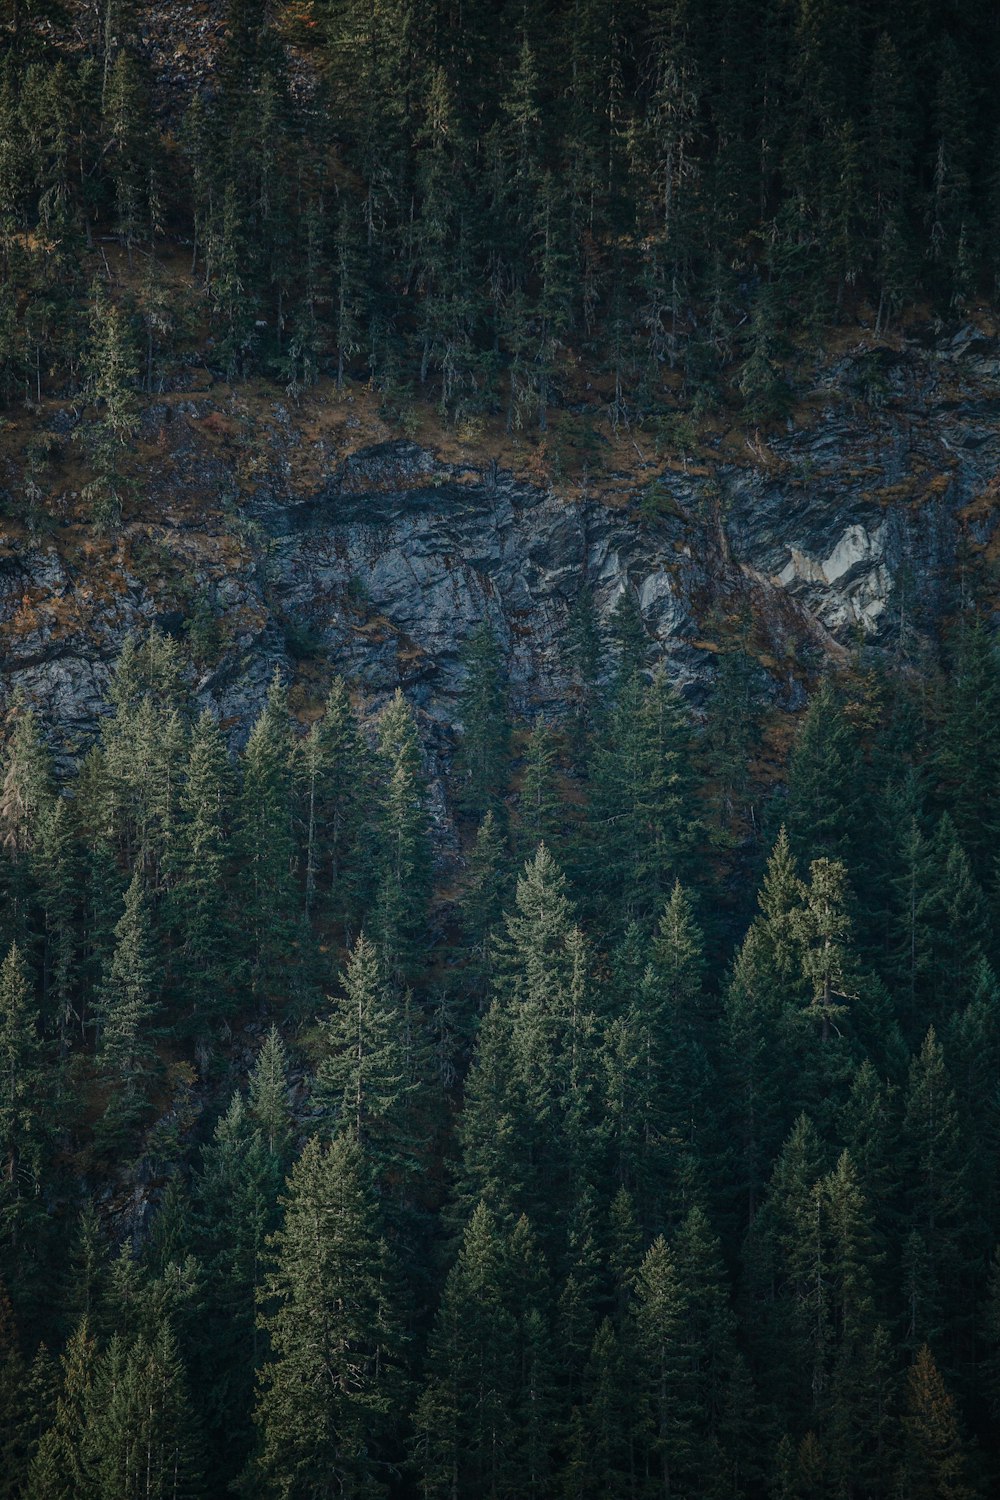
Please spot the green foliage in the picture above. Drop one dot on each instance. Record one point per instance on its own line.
(127, 1004)
(403, 846)
(481, 760)
(610, 1185)
(333, 1379)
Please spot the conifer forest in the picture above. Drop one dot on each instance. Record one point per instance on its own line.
(456, 1086)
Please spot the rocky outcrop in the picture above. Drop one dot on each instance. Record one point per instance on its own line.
(847, 526)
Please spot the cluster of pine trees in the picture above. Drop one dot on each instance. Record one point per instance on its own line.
(579, 1176)
(467, 200)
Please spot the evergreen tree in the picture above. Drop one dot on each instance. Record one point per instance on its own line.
(268, 1097)
(235, 1208)
(267, 846)
(483, 1419)
(640, 821)
(481, 760)
(530, 1094)
(26, 784)
(140, 1437)
(87, 1267)
(936, 1202)
(825, 784)
(539, 802)
(21, 1081)
(198, 894)
(361, 1081)
(127, 1004)
(404, 854)
(60, 1469)
(113, 372)
(331, 797)
(333, 1380)
(482, 905)
(934, 1462)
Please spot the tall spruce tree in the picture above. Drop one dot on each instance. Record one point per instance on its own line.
(333, 1381)
(267, 847)
(404, 852)
(127, 1005)
(481, 759)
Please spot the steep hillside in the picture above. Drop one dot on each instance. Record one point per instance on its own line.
(313, 536)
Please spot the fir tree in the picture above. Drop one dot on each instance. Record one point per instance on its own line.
(481, 760)
(267, 845)
(268, 1096)
(128, 1003)
(482, 905)
(21, 1081)
(639, 816)
(825, 784)
(235, 1208)
(198, 894)
(404, 855)
(361, 1081)
(539, 803)
(333, 1380)
(934, 1462)
(61, 1469)
(331, 809)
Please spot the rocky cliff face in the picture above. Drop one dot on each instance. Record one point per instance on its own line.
(859, 521)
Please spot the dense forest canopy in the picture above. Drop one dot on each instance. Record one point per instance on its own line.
(588, 1174)
(618, 1119)
(473, 201)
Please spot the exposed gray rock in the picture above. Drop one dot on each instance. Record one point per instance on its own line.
(827, 534)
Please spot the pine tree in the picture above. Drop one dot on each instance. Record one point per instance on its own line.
(267, 846)
(780, 1256)
(539, 803)
(404, 854)
(601, 1459)
(936, 1202)
(128, 1002)
(966, 759)
(268, 1097)
(869, 1129)
(13, 1412)
(87, 1269)
(60, 1469)
(26, 785)
(582, 652)
(361, 1082)
(825, 784)
(640, 820)
(140, 1437)
(484, 1418)
(198, 893)
(333, 1381)
(481, 907)
(21, 1081)
(823, 928)
(665, 1404)
(112, 377)
(658, 1077)
(26, 799)
(235, 1208)
(528, 1127)
(934, 1465)
(755, 1060)
(130, 153)
(59, 874)
(629, 636)
(732, 732)
(331, 798)
(481, 759)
